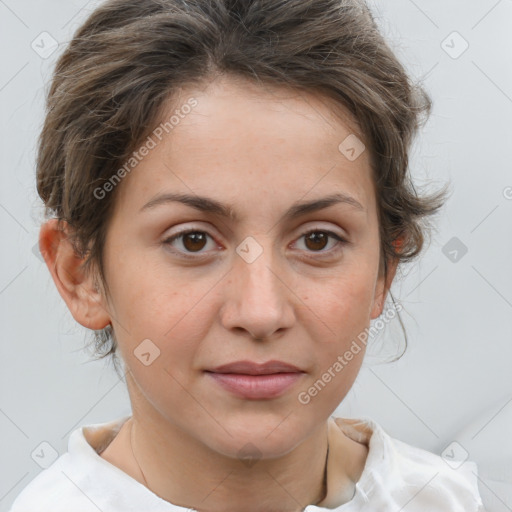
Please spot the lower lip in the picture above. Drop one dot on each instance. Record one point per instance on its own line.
(256, 387)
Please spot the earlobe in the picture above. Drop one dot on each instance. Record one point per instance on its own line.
(78, 289)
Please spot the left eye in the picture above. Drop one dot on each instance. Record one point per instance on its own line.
(312, 237)
(194, 240)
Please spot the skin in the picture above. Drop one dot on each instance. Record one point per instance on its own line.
(260, 150)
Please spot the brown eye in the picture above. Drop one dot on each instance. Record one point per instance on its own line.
(192, 241)
(317, 240)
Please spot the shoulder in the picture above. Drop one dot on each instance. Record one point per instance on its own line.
(54, 489)
(66, 483)
(82, 481)
(397, 474)
(79, 480)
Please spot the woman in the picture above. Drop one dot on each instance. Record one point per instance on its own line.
(230, 199)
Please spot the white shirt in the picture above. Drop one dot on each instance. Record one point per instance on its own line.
(396, 476)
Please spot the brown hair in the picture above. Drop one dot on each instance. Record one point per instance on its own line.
(128, 58)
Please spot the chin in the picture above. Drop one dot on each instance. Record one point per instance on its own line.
(257, 436)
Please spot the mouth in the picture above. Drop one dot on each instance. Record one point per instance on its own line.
(255, 381)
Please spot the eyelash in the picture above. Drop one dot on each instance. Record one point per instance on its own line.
(341, 241)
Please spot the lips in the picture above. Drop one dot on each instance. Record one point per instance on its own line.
(256, 381)
(253, 368)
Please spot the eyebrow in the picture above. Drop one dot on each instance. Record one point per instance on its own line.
(212, 206)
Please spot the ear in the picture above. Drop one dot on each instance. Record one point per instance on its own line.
(78, 290)
(382, 288)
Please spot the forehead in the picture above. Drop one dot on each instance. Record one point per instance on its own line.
(240, 137)
(232, 109)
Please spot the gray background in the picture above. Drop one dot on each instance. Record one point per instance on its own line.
(456, 373)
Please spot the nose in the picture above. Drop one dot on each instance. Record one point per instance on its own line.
(257, 298)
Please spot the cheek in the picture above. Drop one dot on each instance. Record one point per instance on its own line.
(342, 305)
(339, 316)
(147, 296)
(173, 311)
(163, 338)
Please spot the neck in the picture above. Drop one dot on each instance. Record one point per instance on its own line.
(187, 473)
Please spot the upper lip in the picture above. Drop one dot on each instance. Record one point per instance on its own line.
(252, 368)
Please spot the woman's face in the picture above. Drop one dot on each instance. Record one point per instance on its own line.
(253, 286)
